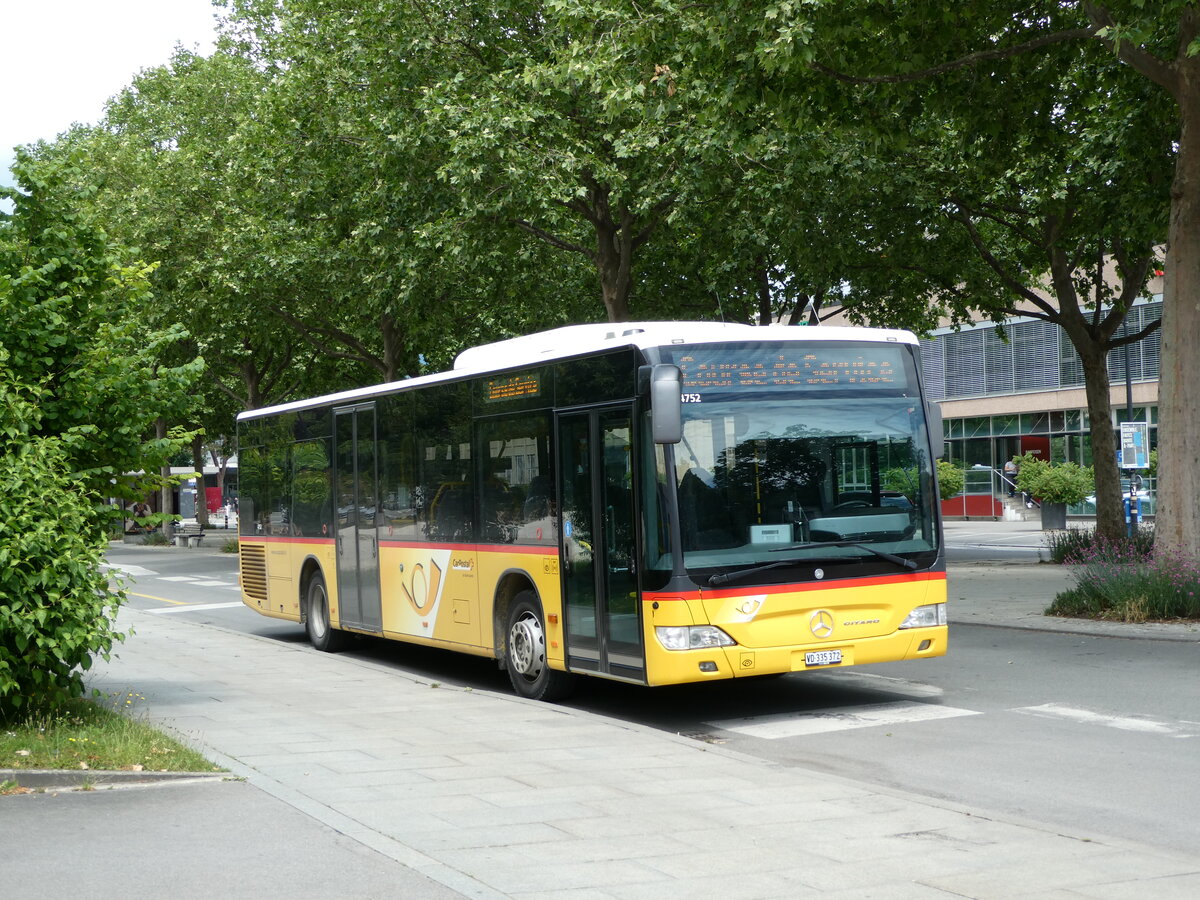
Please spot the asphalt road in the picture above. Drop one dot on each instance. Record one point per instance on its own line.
(1076, 731)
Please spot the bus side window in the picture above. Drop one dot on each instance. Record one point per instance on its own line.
(516, 501)
(442, 500)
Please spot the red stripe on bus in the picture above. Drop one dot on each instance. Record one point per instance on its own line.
(261, 539)
(534, 549)
(538, 549)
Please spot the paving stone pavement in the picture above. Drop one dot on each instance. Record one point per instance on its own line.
(490, 795)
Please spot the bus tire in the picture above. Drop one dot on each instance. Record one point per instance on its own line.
(528, 669)
(321, 634)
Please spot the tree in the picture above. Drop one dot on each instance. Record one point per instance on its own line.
(533, 143)
(80, 386)
(68, 299)
(953, 77)
(1040, 213)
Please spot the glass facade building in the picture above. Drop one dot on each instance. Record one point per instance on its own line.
(1003, 397)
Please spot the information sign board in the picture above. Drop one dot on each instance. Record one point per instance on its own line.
(1135, 445)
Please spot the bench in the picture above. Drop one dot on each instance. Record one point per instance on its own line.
(188, 535)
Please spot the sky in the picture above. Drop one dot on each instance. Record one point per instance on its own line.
(62, 59)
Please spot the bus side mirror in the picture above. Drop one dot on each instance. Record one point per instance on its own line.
(937, 435)
(666, 404)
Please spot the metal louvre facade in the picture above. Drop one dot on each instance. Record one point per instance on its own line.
(975, 362)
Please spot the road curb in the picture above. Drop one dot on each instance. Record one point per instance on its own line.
(77, 779)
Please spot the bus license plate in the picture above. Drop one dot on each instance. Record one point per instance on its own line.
(823, 658)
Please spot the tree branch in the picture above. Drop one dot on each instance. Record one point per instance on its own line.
(553, 240)
(996, 266)
(360, 351)
(653, 217)
(1134, 338)
(1162, 74)
(1045, 40)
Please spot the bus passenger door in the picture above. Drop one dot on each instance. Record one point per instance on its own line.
(357, 538)
(599, 547)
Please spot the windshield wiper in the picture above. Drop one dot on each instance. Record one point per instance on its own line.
(861, 545)
(724, 577)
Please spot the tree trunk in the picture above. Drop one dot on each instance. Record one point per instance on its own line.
(1177, 516)
(762, 283)
(201, 490)
(165, 496)
(614, 262)
(1110, 521)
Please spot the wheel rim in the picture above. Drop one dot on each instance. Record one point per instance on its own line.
(527, 646)
(318, 611)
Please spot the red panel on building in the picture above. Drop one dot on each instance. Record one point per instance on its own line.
(975, 506)
(1038, 445)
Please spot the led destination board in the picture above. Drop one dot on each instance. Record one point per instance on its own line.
(792, 366)
(527, 385)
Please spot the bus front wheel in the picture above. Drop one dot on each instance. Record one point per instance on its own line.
(528, 669)
(321, 634)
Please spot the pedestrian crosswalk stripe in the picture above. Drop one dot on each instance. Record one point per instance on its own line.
(198, 607)
(128, 571)
(842, 718)
(1122, 723)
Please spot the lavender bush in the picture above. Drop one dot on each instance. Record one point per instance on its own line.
(1125, 581)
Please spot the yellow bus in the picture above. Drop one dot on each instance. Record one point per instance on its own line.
(657, 503)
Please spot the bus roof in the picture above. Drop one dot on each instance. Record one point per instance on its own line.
(575, 340)
(580, 340)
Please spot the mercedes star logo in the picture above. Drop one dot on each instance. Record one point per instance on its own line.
(821, 623)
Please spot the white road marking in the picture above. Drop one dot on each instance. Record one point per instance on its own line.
(1123, 723)
(199, 607)
(211, 584)
(841, 719)
(177, 577)
(871, 681)
(131, 571)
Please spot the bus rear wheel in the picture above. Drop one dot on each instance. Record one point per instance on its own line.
(321, 634)
(528, 669)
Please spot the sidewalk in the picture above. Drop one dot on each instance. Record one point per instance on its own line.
(489, 796)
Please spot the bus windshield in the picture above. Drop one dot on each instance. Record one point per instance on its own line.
(803, 468)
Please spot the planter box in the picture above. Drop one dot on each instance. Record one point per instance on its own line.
(1054, 516)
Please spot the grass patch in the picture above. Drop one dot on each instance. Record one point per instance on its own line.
(1124, 582)
(229, 545)
(96, 735)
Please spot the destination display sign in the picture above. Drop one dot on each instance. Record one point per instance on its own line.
(513, 387)
(788, 365)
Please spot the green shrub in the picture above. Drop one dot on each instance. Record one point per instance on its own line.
(229, 545)
(1054, 482)
(951, 480)
(56, 611)
(1074, 545)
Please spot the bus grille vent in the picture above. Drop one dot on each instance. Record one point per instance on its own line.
(254, 570)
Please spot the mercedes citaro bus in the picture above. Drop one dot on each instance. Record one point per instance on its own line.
(657, 503)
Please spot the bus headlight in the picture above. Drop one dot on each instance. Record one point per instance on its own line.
(926, 616)
(692, 637)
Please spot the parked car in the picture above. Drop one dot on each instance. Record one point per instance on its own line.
(1142, 493)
